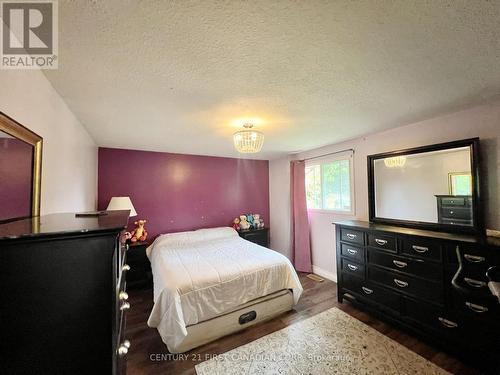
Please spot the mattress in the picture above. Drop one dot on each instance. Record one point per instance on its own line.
(203, 274)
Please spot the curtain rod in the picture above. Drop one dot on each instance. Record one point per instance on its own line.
(330, 153)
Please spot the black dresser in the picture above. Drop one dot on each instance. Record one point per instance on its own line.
(63, 298)
(433, 284)
(454, 209)
(258, 236)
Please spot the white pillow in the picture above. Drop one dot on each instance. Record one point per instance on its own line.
(187, 238)
(217, 233)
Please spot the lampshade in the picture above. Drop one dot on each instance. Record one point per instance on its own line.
(248, 141)
(121, 203)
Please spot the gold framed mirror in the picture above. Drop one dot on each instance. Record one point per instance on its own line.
(20, 168)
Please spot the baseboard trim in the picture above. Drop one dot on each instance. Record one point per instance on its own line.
(323, 273)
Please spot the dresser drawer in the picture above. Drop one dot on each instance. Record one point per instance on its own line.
(382, 241)
(446, 324)
(483, 311)
(456, 213)
(453, 202)
(353, 252)
(417, 267)
(372, 293)
(353, 236)
(419, 288)
(422, 248)
(353, 268)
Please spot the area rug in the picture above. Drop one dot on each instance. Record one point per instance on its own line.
(331, 342)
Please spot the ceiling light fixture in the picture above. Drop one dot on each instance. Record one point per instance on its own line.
(395, 162)
(248, 141)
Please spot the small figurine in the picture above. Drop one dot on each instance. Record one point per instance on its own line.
(258, 222)
(139, 233)
(250, 220)
(236, 224)
(244, 225)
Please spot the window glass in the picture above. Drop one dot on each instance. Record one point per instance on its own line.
(328, 186)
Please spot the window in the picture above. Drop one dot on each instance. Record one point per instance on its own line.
(460, 183)
(329, 185)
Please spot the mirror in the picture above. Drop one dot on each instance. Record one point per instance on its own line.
(20, 167)
(434, 187)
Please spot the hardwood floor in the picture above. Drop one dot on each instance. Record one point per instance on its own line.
(148, 354)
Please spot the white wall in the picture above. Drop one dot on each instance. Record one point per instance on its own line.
(69, 164)
(482, 121)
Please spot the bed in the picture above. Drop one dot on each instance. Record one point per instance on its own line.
(210, 282)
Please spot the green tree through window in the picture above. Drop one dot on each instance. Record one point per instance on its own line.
(328, 186)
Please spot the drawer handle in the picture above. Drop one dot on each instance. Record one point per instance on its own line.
(123, 296)
(352, 252)
(125, 268)
(399, 264)
(476, 308)
(123, 348)
(400, 283)
(474, 258)
(451, 212)
(124, 306)
(380, 242)
(447, 323)
(351, 236)
(420, 249)
(474, 283)
(352, 267)
(367, 290)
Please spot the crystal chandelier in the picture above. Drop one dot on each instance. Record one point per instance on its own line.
(395, 162)
(248, 141)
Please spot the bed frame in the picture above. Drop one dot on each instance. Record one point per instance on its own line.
(243, 316)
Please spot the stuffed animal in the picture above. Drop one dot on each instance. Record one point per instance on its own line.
(139, 233)
(236, 223)
(258, 223)
(250, 220)
(244, 225)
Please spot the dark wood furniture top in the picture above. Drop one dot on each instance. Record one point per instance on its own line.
(433, 284)
(64, 223)
(494, 241)
(258, 236)
(63, 294)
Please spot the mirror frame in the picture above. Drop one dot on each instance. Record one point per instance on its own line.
(15, 129)
(477, 213)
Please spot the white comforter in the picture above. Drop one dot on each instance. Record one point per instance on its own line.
(201, 274)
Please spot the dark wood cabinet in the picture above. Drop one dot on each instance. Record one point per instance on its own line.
(258, 236)
(63, 295)
(433, 284)
(454, 209)
(140, 274)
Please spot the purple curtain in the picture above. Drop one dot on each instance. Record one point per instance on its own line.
(301, 247)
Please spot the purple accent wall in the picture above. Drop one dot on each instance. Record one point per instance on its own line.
(16, 158)
(177, 192)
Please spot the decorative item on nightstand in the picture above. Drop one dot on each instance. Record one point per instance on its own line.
(140, 274)
(244, 224)
(121, 203)
(139, 234)
(258, 236)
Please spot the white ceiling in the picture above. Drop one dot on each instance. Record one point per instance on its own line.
(177, 75)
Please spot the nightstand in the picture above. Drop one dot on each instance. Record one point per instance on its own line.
(258, 236)
(140, 274)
